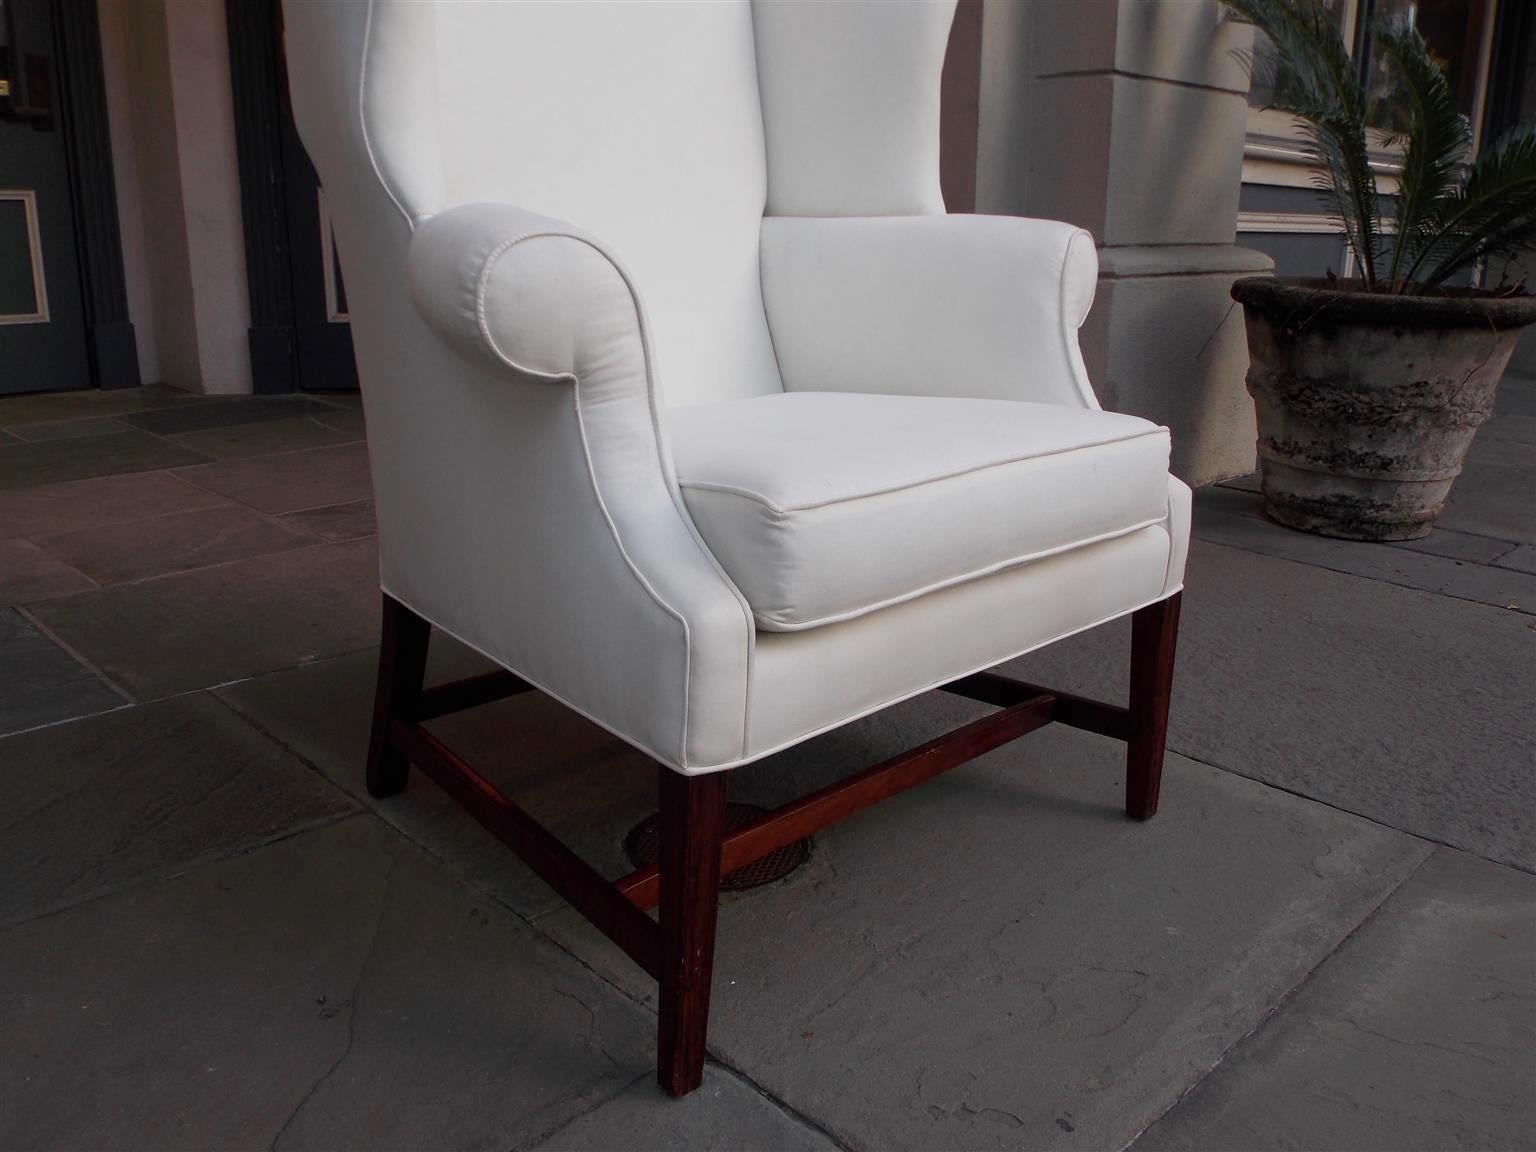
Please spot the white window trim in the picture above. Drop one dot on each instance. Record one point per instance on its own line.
(28, 200)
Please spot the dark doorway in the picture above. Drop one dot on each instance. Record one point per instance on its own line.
(42, 316)
(63, 303)
(300, 337)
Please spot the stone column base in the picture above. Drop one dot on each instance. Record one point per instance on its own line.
(1165, 342)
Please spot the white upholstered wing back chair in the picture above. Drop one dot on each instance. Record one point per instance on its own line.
(689, 406)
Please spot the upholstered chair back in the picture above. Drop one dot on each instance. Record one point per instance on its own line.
(667, 130)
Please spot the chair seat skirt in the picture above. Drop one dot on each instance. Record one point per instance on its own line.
(825, 506)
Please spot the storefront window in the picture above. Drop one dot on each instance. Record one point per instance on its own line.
(1268, 76)
(1458, 33)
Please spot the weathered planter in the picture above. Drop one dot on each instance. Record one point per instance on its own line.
(1366, 403)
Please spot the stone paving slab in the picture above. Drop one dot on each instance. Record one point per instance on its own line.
(1494, 500)
(118, 553)
(92, 805)
(196, 629)
(1420, 1033)
(347, 418)
(1409, 708)
(334, 990)
(999, 959)
(28, 573)
(68, 429)
(350, 521)
(219, 412)
(93, 402)
(1521, 429)
(40, 683)
(1226, 516)
(590, 788)
(56, 461)
(724, 1114)
(262, 437)
(1493, 450)
(290, 481)
(80, 504)
(1522, 559)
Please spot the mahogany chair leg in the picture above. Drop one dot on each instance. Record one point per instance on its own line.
(692, 824)
(402, 667)
(1154, 632)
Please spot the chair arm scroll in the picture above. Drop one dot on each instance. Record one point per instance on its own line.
(534, 294)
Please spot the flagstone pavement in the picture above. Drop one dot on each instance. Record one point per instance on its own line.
(211, 937)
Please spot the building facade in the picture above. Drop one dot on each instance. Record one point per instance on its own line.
(160, 222)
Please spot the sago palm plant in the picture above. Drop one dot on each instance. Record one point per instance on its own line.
(1449, 213)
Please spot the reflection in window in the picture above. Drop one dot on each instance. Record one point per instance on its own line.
(1269, 75)
(1454, 31)
(1457, 32)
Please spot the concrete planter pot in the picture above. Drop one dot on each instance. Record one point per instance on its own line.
(1366, 403)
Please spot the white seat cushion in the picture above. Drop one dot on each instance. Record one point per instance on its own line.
(823, 506)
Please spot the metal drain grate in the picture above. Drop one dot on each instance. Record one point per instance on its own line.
(643, 846)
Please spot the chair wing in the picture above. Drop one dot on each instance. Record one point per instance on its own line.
(978, 306)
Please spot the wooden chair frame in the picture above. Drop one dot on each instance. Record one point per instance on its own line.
(677, 949)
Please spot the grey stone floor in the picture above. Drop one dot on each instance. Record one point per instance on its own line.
(211, 937)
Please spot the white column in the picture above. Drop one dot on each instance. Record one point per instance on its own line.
(173, 146)
(1127, 117)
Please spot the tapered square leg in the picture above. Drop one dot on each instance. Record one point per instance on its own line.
(1154, 633)
(402, 667)
(692, 824)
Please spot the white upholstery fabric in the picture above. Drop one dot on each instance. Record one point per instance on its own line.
(850, 93)
(983, 306)
(823, 506)
(637, 123)
(537, 520)
(550, 219)
(1179, 501)
(807, 682)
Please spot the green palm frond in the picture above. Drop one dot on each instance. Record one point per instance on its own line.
(1495, 210)
(1437, 139)
(1318, 86)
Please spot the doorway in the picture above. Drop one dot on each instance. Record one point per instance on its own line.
(301, 339)
(42, 317)
(63, 303)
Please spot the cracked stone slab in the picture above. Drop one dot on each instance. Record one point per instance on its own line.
(587, 786)
(100, 802)
(1406, 707)
(1420, 1033)
(190, 630)
(335, 990)
(724, 1114)
(57, 461)
(181, 541)
(289, 481)
(1227, 516)
(1494, 500)
(93, 503)
(43, 683)
(999, 959)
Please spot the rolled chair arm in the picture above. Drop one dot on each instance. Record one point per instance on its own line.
(595, 520)
(531, 293)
